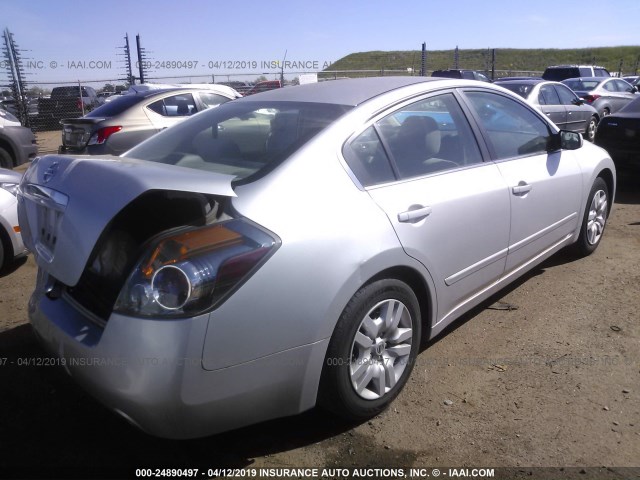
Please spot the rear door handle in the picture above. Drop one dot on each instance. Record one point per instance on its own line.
(521, 189)
(414, 215)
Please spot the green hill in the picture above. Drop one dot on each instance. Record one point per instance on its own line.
(508, 61)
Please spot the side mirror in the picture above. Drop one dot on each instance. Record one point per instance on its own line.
(564, 140)
(578, 101)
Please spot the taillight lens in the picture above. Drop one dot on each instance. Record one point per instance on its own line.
(591, 98)
(101, 136)
(188, 273)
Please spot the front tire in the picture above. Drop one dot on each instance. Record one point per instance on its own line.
(372, 350)
(594, 220)
(590, 133)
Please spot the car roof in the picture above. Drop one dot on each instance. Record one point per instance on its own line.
(594, 79)
(350, 91)
(524, 81)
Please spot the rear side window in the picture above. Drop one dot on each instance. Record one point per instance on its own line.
(585, 72)
(181, 105)
(512, 128)
(548, 96)
(426, 137)
(366, 157)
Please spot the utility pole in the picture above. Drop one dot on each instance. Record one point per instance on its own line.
(423, 66)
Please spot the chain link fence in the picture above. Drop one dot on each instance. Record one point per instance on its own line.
(41, 104)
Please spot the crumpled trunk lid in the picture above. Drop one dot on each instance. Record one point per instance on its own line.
(66, 203)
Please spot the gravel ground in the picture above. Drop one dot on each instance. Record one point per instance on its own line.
(552, 382)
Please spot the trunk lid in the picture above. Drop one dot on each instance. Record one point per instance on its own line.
(76, 132)
(65, 203)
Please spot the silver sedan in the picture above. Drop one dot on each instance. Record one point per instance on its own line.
(558, 102)
(295, 248)
(606, 94)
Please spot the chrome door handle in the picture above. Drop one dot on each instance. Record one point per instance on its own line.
(413, 215)
(521, 189)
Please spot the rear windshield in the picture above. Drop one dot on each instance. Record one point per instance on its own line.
(59, 92)
(577, 84)
(522, 89)
(239, 138)
(558, 74)
(447, 74)
(115, 107)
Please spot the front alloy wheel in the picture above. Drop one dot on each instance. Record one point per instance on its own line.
(372, 350)
(591, 129)
(594, 220)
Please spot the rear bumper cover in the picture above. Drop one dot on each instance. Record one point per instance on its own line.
(150, 371)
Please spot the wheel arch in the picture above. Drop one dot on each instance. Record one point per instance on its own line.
(423, 291)
(607, 175)
(9, 148)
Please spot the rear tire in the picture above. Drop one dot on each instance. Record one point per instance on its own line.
(372, 350)
(594, 219)
(5, 159)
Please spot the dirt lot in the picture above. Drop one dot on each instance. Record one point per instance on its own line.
(554, 382)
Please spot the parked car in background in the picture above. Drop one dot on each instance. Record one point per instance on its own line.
(66, 102)
(17, 143)
(558, 102)
(238, 86)
(458, 73)
(557, 73)
(606, 95)
(117, 126)
(11, 245)
(632, 79)
(264, 86)
(297, 247)
(619, 134)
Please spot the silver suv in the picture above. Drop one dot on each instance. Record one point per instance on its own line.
(557, 73)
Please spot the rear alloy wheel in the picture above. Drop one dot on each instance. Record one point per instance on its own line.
(590, 133)
(372, 350)
(595, 218)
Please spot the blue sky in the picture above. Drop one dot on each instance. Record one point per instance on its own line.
(65, 31)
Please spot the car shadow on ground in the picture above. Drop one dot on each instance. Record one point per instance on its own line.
(9, 269)
(50, 427)
(42, 410)
(628, 188)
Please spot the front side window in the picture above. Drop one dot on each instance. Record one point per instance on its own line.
(512, 128)
(239, 139)
(622, 86)
(567, 97)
